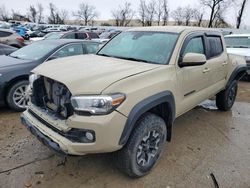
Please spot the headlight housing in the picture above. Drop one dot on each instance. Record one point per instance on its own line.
(32, 78)
(97, 104)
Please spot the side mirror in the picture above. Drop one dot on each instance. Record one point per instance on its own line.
(51, 58)
(193, 59)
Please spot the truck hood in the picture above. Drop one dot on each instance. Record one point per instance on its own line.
(239, 51)
(91, 74)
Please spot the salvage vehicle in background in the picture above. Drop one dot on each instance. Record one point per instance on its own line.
(11, 38)
(127, 96)
(15, 68)
(239, 44)
(6, 49)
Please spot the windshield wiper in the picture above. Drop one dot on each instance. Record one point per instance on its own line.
(238, 46)
(129, 58)
(136, 59)
(105, 55)
(15, 56)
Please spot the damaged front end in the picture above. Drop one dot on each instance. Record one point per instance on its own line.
(52, 96)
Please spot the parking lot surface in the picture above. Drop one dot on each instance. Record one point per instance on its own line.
(205, 141)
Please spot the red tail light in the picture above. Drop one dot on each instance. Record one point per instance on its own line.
(20, 39)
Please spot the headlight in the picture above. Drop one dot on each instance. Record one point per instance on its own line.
(32, 78)
(97, 104)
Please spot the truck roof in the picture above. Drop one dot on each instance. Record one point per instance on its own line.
(173, 29)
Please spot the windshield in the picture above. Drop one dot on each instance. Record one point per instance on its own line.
(150, 47)
(237, 42)
(34, 51)
(54, 36)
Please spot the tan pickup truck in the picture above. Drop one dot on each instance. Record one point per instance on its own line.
(125, 98)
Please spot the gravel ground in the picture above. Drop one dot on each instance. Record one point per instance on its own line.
(205, 141)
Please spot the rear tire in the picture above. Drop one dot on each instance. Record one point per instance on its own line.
(226, 98)
(144, 147)
(16, 95)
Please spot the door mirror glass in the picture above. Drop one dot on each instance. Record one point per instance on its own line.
(193, 59)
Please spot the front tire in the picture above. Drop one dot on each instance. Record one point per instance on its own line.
(17, 97)
(226, 98)
(144, 147)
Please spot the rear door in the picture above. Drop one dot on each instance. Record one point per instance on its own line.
(217, 61)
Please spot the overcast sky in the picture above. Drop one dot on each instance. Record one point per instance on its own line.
(104, 7)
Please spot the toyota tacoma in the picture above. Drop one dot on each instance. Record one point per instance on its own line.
(125, 98)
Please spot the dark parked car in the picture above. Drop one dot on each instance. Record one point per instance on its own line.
(73, 35)
(15, 68)
(11, 38)
(6, 49)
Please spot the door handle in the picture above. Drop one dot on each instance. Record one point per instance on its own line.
(206, 70)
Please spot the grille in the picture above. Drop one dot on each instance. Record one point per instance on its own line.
(53, 96)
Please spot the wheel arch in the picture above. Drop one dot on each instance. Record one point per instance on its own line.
(13, 81)
(162, 104)
(237, 74)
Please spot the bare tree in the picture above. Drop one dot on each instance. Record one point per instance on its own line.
(86, 12)
(39, 13)
(198, 16)
(142, 12)
(159, 11)
(188, 14)
(16, 15)
(32, 14)
(215, 6)
(123, 15)
(56, 16)
(150, 12)
(219, 20)
(240, 13)
(4, 14)
(165, 12)
(178, 16)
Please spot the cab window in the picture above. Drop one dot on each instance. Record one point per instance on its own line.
(215, 46)
(195, 45)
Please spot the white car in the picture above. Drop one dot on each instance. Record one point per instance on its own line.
(239, 44)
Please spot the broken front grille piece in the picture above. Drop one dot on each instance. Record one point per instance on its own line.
(53, 96)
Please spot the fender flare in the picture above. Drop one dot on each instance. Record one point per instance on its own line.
(237, 74)
(144, 106)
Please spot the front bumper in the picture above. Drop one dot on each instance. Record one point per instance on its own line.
(41, 137)
(108, 130)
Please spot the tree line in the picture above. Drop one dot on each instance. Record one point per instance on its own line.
(149, 12)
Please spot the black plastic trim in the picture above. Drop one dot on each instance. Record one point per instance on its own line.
(144, 106)
(237, 74)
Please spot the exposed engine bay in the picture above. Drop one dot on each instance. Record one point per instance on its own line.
(52, 96)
